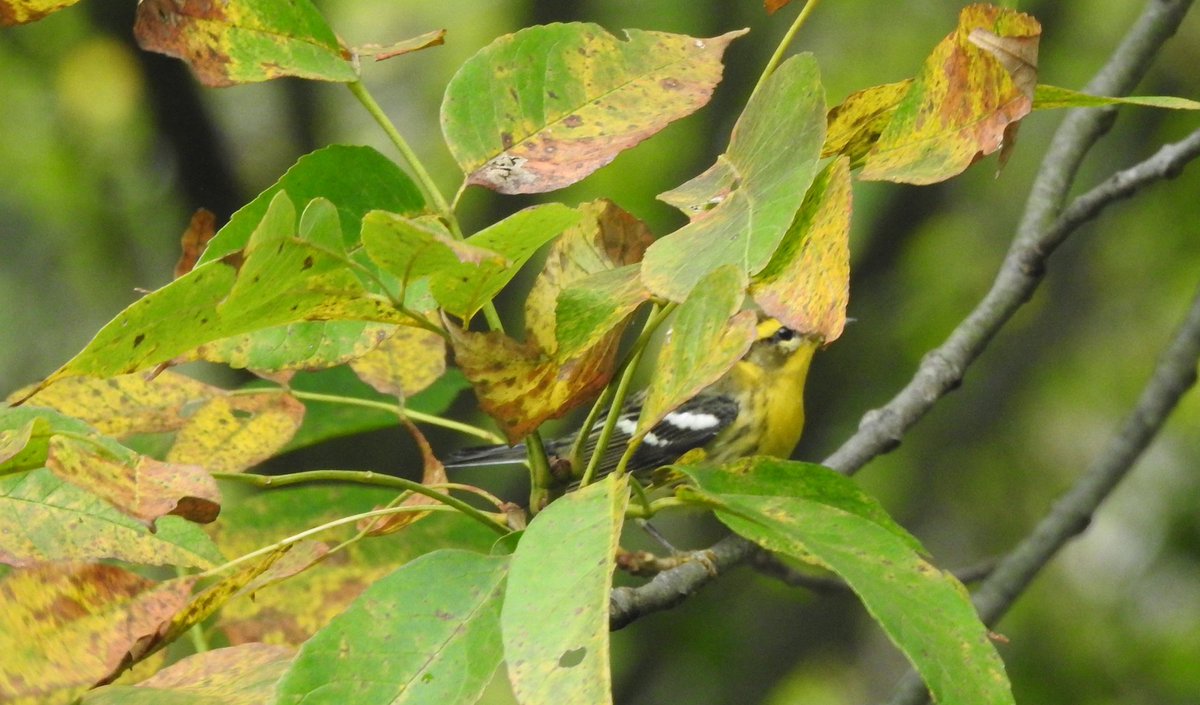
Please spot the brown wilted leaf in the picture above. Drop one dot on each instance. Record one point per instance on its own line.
(145, 490)
(434, 38)
(67, 625)
(432, 473)
(200, 230)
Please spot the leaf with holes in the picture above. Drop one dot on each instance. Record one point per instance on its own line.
(555, 616)
(229, 43)
(741, 207)
(544, 107)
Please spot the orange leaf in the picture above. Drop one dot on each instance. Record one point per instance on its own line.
(774, 6)
(965, 98)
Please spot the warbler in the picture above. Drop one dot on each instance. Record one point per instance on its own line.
(756, 408)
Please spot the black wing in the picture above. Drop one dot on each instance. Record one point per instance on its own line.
(692, 425)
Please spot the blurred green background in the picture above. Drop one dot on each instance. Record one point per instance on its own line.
(106, 150)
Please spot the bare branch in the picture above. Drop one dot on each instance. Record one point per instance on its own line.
(1173, 376)
(1044, 226)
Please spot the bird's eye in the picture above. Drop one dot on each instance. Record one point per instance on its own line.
(784, 334)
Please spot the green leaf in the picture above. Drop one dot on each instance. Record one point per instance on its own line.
(595, 305)
(605, 238)
(769, 477)
(306, 345)
(413, 249)
(238, 675)
(926, 612)
(285, 275)
(230, 43)
(29, 429)
(463, 288)
(708, 336)
(326, 420)
(427, 633)
(1052, 97)
(43, 518)
(355, 179)
(555, 616)
(743, 204)
(291, 611)
(544, 107)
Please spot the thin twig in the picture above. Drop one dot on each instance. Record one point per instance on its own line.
(1070, 515)
(1044, 226)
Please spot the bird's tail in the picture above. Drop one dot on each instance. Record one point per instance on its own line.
(477, 456)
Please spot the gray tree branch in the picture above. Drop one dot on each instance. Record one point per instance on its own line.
(1070, 515)
(1044, 226)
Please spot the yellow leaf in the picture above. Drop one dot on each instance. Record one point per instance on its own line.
(232, 433)
(409, 360)
(807, 283)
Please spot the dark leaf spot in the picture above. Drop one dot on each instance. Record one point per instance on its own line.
(669, 84)
(308, 262)
(506, 139)
(572, 658)
(572, 121)
(138, 340)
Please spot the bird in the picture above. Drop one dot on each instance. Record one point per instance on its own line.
(756, 408)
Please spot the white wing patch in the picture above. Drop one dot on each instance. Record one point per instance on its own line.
(626, 425)
(691, 420)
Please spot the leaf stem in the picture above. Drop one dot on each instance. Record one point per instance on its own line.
(296, 538)
(390, 407)
(657, 315)
(366, 477)
(777, 58)
(540, 476)
(432, 192)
